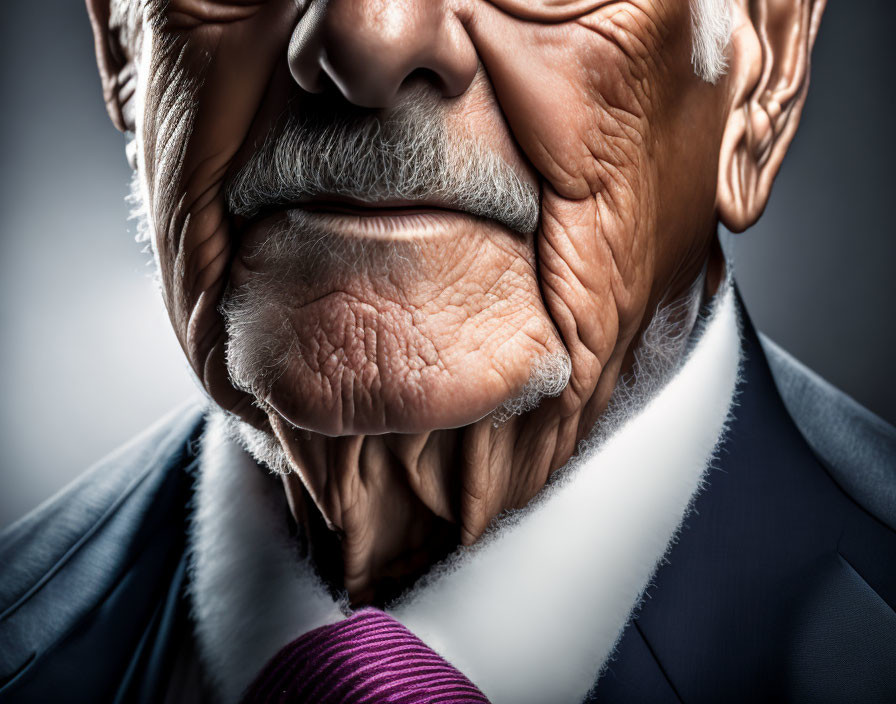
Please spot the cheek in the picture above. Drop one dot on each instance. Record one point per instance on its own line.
(201, 84)
(576, 104)
(570, 95)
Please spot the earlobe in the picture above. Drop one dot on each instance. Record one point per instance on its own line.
(769, 78)
(115, 66)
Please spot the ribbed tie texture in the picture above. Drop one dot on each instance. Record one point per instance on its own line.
(367, 658)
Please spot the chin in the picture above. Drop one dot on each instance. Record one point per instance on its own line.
(340, 330)
(367, 370)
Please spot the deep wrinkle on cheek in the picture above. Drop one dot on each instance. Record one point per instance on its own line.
(568, 64)
(574, 85)
(636, 29)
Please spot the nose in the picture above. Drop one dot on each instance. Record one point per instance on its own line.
(370, 48)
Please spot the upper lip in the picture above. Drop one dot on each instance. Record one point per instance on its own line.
(326, 201)
(356, 204)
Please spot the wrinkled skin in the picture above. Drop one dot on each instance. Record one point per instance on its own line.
(384, 413)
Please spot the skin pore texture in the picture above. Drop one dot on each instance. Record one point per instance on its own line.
(372, 341)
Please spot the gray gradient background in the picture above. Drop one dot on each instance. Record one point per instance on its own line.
(87, 359)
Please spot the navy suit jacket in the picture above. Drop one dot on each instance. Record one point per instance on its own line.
(781, 585)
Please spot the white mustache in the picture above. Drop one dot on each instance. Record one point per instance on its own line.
(403, 155)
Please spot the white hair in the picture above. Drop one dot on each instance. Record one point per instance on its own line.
(711, 21)
(548, 378)
(406, 154)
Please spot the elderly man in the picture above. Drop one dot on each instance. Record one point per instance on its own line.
(478, 379)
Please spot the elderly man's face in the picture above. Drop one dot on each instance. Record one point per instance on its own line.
(414, 308)
(438, 225)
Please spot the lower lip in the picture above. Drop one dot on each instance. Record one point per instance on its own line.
(384, 223)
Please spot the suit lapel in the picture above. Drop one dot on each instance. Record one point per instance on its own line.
(750, 605)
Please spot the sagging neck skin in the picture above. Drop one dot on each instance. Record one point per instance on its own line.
(393, 505)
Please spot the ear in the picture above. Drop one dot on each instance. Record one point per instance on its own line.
(768, 80)
(114, 58)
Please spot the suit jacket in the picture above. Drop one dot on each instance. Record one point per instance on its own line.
(781, 586)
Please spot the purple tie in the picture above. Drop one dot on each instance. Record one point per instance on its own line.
(365, 659)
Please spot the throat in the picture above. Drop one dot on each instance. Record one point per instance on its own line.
(380, 520)
(380, 576)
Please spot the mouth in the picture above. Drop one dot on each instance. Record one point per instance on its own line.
(364, 208)
(382, 220)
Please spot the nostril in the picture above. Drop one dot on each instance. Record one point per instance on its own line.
(326, 87)
(425, 76)
(332, 101)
